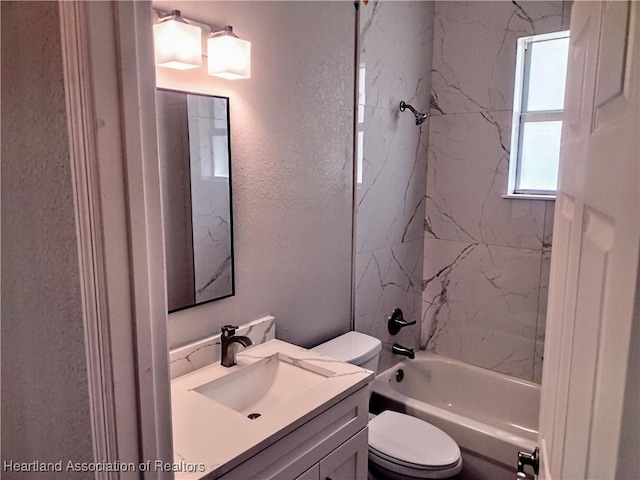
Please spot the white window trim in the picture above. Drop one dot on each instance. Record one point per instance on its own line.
(527, 196)
(518, 116)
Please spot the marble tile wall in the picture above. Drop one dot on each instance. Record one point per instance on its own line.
(486, 259)
(395, 48)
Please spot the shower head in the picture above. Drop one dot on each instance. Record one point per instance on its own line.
(420, 117)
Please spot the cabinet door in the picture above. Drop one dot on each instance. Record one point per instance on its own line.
(312, 474)
(348, 461)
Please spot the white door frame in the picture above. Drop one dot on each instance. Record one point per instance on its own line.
(110, 90)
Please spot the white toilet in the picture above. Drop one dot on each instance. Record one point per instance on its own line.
(401, 447)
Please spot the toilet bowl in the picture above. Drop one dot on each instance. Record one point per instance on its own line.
(404, 447)
(401, 447)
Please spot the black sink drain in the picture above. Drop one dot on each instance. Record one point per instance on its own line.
(253, 416)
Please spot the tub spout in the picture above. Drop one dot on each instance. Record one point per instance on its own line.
(400, 350)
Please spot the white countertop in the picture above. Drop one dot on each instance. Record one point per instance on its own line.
(208, 433)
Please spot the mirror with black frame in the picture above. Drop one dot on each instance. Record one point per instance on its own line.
(195, 167)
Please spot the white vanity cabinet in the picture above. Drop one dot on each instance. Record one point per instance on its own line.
(348, 461)
(331, 445)
(312, 474)
(282, 413)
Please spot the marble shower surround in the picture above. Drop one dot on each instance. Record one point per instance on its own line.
(474, 51)
(394, 65)
(467, 174)
(481, 300)
(486, 258)
(387, 278)
(390, 199)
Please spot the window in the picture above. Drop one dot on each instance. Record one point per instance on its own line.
(541, 70)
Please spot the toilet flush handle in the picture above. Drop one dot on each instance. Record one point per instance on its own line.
(397, 321)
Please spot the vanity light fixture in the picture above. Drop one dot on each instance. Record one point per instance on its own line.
(229, 56)
(178, 44)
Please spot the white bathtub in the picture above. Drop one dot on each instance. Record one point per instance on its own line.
(490, 415)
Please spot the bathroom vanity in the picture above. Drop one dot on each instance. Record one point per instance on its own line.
(282, 412)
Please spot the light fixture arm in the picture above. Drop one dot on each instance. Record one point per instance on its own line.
(176, 15)
(228, 30)
(173, 15)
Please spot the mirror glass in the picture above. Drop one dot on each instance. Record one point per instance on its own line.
(195, 166)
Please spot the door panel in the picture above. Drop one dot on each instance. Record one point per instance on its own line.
(554, 383)
(612, 67)
(597, 242)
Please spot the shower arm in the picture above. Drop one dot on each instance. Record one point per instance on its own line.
(404, 105)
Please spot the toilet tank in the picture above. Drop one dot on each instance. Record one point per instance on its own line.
(353, 347)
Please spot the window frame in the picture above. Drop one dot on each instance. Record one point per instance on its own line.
(521, 117)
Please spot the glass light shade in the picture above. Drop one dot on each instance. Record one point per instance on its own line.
(178, 45)
(229, 56)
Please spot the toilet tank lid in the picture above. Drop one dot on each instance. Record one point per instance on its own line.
(352, 347)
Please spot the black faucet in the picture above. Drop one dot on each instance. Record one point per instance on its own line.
(400, 350)
(228, 338)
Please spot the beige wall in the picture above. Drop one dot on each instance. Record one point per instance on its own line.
(45, 404)
(291, 156)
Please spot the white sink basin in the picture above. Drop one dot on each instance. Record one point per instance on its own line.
(259, 387)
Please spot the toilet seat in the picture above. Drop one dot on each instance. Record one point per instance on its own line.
(415, 466)
(412, 447)
(381, 468)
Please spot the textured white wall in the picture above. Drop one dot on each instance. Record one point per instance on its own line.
(45, 404)
(292, 167)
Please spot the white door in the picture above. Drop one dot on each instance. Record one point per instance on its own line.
(594, 266)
